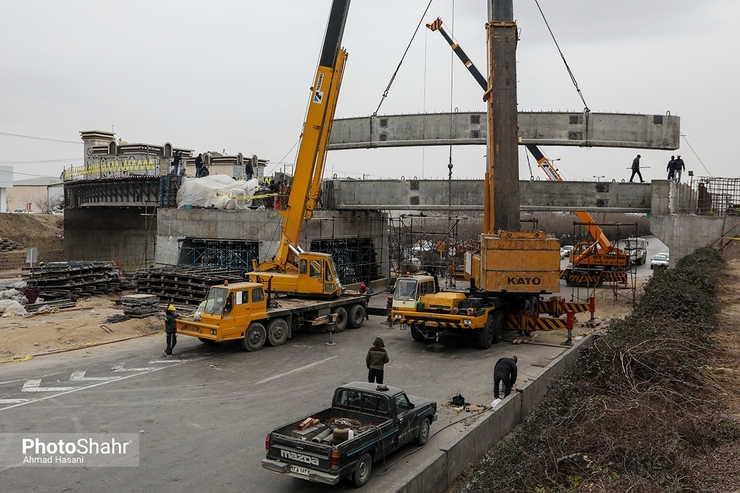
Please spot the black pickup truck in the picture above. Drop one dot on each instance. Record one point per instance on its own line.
(365, 423)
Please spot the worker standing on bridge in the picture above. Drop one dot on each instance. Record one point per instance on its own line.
(678, 167)
(636, 169)
(670, 168)
(170, 328)
(376, 359)
(504, 371)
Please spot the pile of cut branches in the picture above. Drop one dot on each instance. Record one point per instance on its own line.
(640, 410)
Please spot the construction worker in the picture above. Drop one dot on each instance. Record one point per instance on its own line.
(504, 371)
(170, 328)
(678, 167)
(636, 169)
(365, 291)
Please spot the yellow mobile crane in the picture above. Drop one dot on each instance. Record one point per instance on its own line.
(292, 270)
(592, 262)
(309, 294)
(509, 271)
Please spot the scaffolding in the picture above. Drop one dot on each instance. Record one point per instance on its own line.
(235, 255)
(617, 280)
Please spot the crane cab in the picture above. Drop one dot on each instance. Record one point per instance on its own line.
(315, 275)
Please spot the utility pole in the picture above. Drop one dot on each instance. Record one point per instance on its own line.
(502, 170)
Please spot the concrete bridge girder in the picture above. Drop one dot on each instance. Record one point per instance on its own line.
(462, 195)
(540, 128)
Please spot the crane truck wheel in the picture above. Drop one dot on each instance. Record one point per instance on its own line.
(341, 319)
(416, 334)
(277, 332)
(498, 326)
(486, 335)
(255, 337)
(356, 316)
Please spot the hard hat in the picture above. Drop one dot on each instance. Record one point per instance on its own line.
(362, 286)
(171, 308)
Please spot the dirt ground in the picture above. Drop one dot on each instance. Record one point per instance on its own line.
(45, 231)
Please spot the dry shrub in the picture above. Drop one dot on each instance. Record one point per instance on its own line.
(639, 412)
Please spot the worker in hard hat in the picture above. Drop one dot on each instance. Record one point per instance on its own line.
(364, 290)
(170, 328)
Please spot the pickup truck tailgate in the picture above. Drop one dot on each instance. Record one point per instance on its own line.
(302, 459)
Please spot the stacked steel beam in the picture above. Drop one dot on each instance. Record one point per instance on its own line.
(183, 284)
(71, 280)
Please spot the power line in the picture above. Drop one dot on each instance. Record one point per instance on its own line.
(40, 138)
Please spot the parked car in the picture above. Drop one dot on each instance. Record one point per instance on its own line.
(660, 260)
(21, 211)
(565, 251)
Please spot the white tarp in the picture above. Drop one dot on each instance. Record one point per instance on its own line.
(216, 191)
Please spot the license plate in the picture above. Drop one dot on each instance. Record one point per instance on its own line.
(300, 470)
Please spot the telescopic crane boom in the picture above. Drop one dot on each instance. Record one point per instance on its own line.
(292, 270)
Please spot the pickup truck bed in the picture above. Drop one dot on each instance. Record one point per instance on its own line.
(380, 420)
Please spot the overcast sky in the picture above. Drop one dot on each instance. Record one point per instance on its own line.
(234, 75)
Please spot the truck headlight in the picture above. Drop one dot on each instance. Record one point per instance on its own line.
(397, 316)
(467, 322)
(213, 332)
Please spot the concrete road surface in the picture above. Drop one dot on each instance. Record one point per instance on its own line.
(201, 417)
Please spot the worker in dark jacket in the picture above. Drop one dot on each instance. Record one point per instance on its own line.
(636, 169)
(376, 358)
(504, 371)
(170, 328)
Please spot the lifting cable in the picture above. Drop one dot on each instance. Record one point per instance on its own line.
(572, 77)
(385, 93)
(697, 156)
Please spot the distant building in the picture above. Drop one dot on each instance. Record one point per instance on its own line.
(107, 158)
(42, 194)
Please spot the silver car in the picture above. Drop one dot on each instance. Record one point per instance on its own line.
(660, 260)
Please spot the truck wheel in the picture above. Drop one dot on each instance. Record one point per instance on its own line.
(255, 337)
(356, 316)
(498, 326)
(277, 332)
(207, 342)
(341, 319)
(362, 474)
(416, 334)
(485, 335)
(423, 435)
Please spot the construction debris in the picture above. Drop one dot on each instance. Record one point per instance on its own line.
(7, 245)
(183, 284)
(140, 305)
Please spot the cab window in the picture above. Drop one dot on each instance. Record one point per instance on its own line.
(402, 403)
(242, 297)
(328, 277)
(405, 289)
(303, 266)
(316, 268)
(257, 295)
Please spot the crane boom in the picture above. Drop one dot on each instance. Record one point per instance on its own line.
(292, 270)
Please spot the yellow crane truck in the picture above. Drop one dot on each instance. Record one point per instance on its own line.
(296, 289)
(247, 312)
(509, 272)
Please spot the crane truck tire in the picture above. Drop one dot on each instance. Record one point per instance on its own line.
(341, 319)
(277, 332)
(356, 316)
(417, 335)
(255, 337)
(498, 326)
